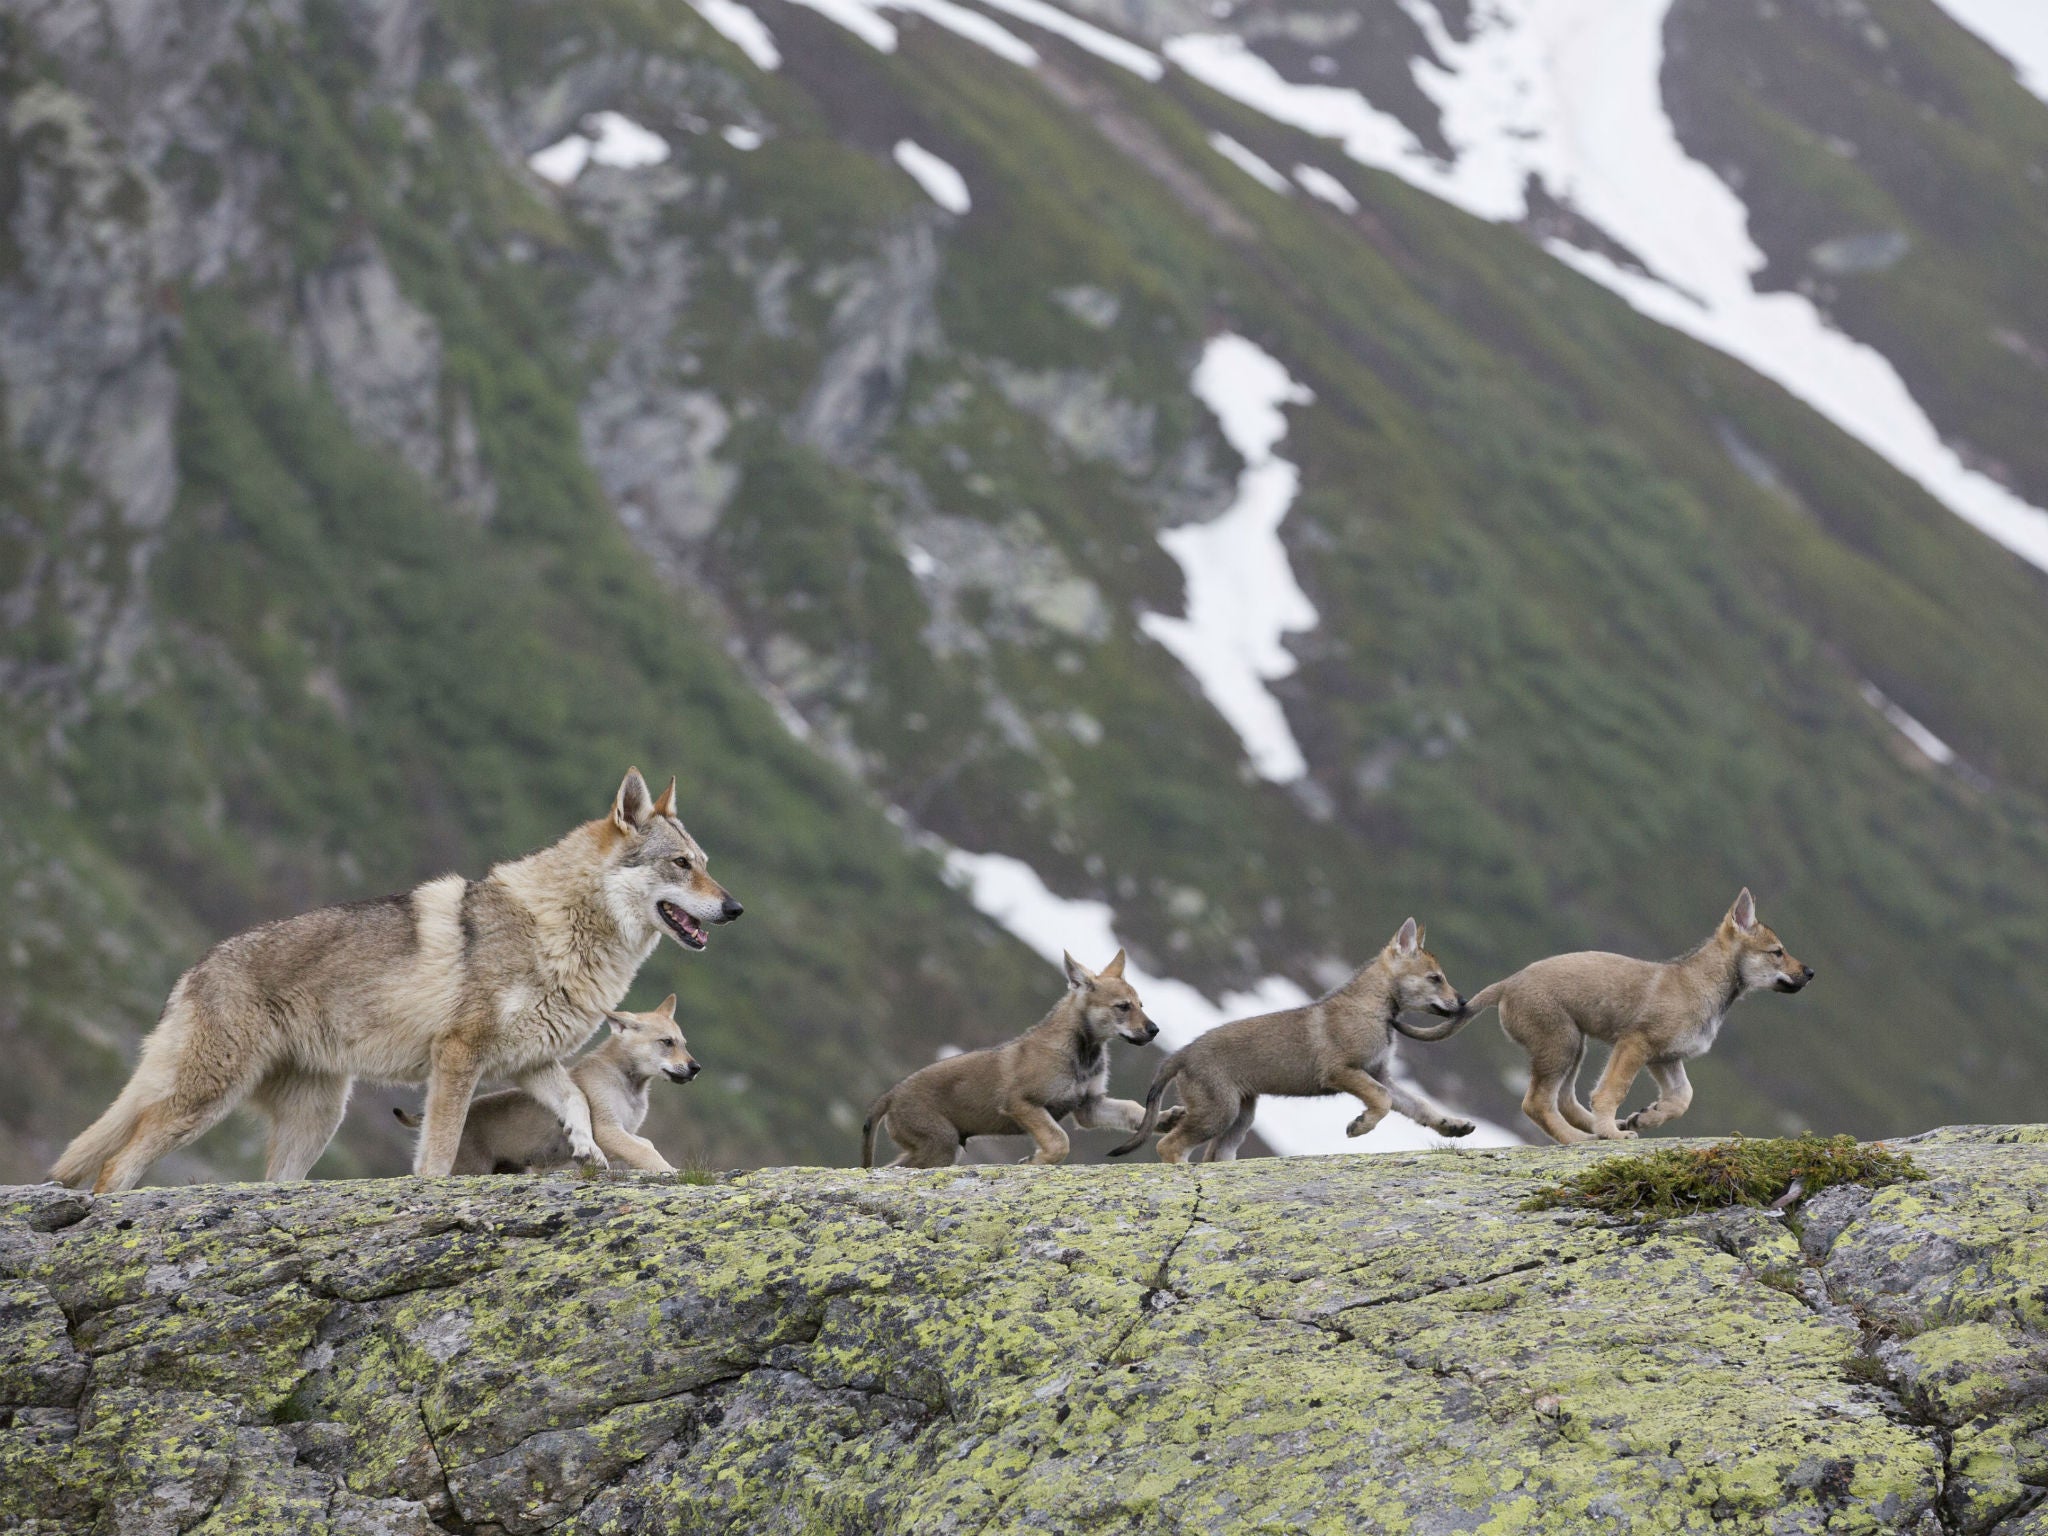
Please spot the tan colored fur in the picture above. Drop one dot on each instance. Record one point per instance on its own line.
(513, 1132)
(1342, 1043)
(1654, 1014)
(1026, 1086)
(448, 983)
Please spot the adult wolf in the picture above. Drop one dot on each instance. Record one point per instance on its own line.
(451, 982)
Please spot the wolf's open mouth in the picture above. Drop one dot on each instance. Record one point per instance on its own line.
(685, 927)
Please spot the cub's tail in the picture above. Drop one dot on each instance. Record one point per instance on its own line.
(1169, 1069)
(867, 1129)
(1475, 1005)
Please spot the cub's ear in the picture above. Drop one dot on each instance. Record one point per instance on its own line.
(1407, 941)
(633, 805)
(619, 1020)
(1078, 975)
(668, 1006)
(1743, 913)
(666, 805)
(1115, 967)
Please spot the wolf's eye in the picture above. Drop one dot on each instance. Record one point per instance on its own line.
(670, 1042)
(1778, 953)
(1437, 977)
(683, 865)
(1123, 1007)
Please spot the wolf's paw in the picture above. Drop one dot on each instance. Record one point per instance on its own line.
(1633, 1122)
(1171, 1118)
(1362, 1124)
(1619, 1133)
(1455, 1128)
(584, 1150)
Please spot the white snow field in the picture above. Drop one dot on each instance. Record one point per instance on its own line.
(2016, 28)
(864, 19)
(1318, 182)
(746, 31)
(1009, 892)
(1567, 91)
(608, 138)
(1242, 598)
(944, 185)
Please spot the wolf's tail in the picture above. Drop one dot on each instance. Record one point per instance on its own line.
(1169, 1069)
(1475, 1005)
(80, 1164)
(406, 1118)
(867, 1129)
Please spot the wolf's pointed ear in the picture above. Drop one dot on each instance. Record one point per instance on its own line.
(1405, 941)
(632, 805)
(1743, 913)
(1078, 975)
(668, 1006)
(618, 1020)
(666, 805)
(1115, 967)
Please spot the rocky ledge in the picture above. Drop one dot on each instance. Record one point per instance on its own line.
(1357, 1344)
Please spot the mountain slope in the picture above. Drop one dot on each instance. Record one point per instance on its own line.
(373, 498)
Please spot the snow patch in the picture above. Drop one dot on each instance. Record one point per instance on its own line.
(864, 19)
(944, 185)
(2017, 29)
(741, 138)
(739, 26)
(1567, 92)
(1318, 182)
(1249, 163)
(608, 138)
(1009, 892)
(1242, 598)
(1930, 746)
(1107, 46)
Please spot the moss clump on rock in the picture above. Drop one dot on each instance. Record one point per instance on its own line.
(1676, 1181)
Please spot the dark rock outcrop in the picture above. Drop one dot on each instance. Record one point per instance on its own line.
(1349, 1344)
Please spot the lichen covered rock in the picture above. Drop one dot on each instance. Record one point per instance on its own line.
(1337, 1344)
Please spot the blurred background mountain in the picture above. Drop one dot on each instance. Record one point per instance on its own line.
(417, 410)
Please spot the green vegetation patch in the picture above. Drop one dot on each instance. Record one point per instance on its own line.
(1675, 1181)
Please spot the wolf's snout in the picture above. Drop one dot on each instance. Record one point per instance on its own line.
(729, 910)
(682, 1074)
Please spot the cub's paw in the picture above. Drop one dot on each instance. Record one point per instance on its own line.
(1455, 1128)
(1170, 1119)
(1635, 1121)
(1362, 1124)
(584, 1150)
(1619, 1133)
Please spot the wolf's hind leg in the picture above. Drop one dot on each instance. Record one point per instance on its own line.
(1555, 1046)
(1568, 1103)
(1628, 1058)
(1674, 1097)
(305, 1110)
(1224, 1148)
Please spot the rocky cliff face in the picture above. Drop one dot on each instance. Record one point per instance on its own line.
(1334, 1345)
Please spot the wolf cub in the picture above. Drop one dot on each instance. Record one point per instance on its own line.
(1343, 1043)
(1655, 1014)
(513, 1132)
(1060, 1067)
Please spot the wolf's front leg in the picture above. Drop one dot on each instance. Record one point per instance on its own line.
(553, 1087)
(451, 1081)
(1110, 1115)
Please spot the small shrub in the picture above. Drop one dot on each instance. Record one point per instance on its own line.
(1675, 1181)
